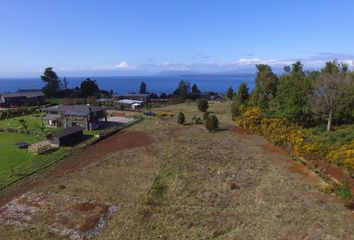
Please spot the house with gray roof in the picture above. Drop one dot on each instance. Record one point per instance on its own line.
(65, 116)
(23, 97)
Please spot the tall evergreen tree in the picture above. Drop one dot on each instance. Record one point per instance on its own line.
(266, 86)
(52, 81)
(143, 88)
(230, 93)
(242, 93)
(195, 89)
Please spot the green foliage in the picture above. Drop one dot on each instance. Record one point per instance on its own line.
(237, 109)
(266, 86)
(344, 108)
(205, 116)
(52, 81)
(343, 191)
(212, 123)
(292, 96)
(197, 120)
(143, 88)
(242, 94)
(202, 105)
(230, 93)
(88, 88)
(339, 136)
(181, 118)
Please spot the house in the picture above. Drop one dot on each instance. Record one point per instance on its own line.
(217, 98)
(199, 96)
(22, 97)
(131, 103)
(65, 116)
(133, 96)
(66, 136)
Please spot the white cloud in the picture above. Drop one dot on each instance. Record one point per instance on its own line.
(121, 66)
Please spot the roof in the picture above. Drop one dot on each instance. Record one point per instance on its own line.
(130, 101)
(67, 131)
(80, 110)
(51, 117)
(24, 94)
(131, 95)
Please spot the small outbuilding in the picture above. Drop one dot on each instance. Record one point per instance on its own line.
(66, 136)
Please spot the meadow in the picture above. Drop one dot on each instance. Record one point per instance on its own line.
(187, 183)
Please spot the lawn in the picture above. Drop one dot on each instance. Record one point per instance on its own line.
(33, 123)
(16, 163)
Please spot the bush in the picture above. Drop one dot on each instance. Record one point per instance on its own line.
(202, 105)
(212, 123)
(197, 120)
(164, 114)
(205, 116)
(181, 118)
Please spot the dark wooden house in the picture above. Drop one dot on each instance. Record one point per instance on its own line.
(66, 136)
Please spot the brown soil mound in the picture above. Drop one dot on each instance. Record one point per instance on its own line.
(84, 158)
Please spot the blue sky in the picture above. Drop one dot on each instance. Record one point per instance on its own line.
(101, 37)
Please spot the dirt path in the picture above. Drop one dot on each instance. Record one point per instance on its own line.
(89, 155)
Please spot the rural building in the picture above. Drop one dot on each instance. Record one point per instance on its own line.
(133, 96)
(200, 96)
(22, 97)
(131, 103)
(65, 116)
(66, 136)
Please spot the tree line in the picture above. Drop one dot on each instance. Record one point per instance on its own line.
(307, 98)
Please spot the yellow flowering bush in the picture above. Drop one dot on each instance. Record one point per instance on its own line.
(284, 133)
(342, 155)
(164, 114)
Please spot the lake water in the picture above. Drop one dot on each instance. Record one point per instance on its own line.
(122, 84)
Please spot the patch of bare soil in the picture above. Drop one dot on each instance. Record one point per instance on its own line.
(240, 131)
(63, 215)
(295, 167)
(87, 156)
(273, 149)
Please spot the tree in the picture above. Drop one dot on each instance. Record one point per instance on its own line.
(163, 95)
(332, 84)
(88, 88)
(266, 86)
(195, 89)
(65, 83)
(292, 96)
(52, 81)
(182, 90)
(212, 123)
(181, 118)
(202, 105)
(143, 88)
(230, 93)
(242, 93)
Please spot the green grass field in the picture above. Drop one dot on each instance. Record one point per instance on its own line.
(16, 163)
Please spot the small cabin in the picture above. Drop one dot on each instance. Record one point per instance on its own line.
(66, 136)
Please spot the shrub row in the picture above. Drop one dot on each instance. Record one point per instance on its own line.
(295, 138)
(16, 130)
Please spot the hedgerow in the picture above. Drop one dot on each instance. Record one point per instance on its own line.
(282, 132)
